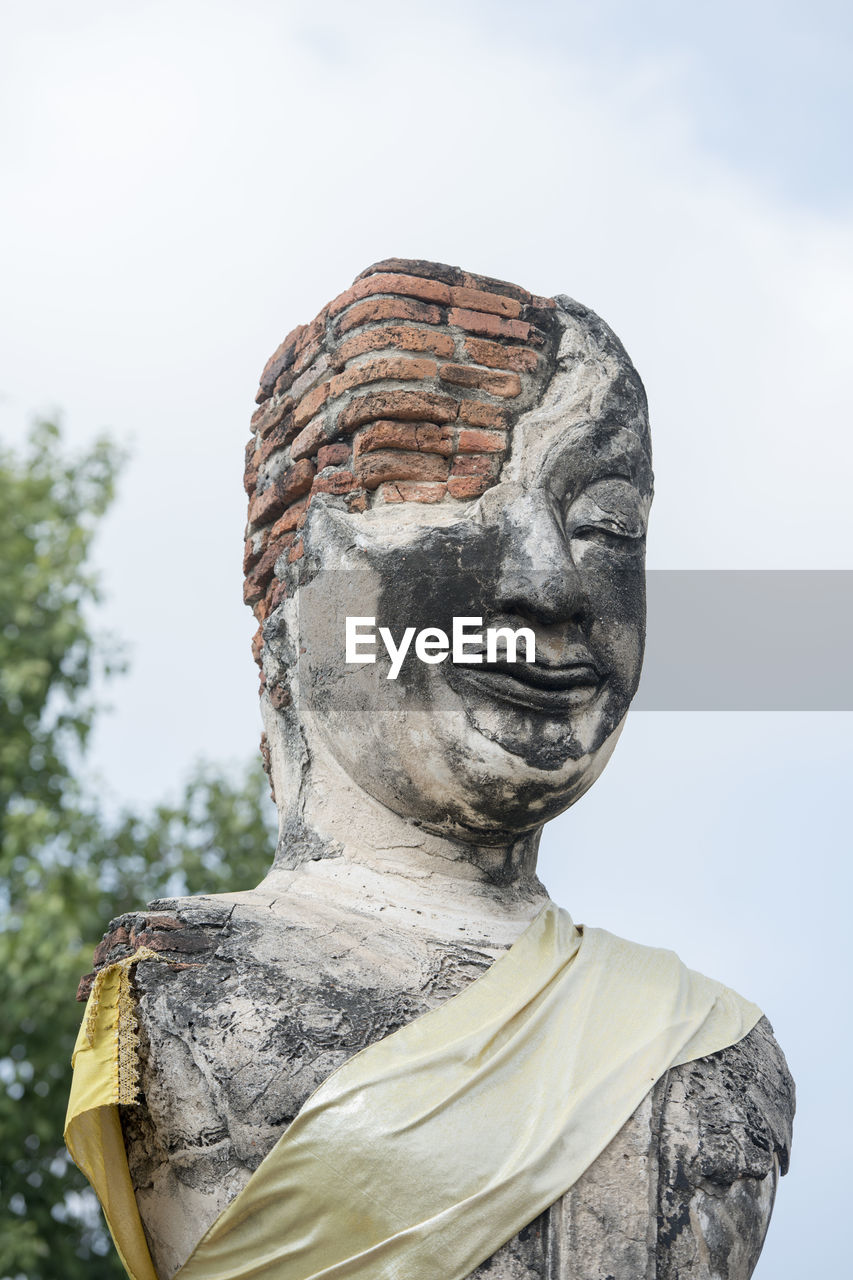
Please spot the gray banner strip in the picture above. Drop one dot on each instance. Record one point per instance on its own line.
(716, 640)
(748, 640)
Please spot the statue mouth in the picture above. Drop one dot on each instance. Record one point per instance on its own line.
(538, 686)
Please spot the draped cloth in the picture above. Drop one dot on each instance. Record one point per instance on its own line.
(426, 1151)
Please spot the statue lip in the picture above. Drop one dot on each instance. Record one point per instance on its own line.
(540, 686)
(542, 675)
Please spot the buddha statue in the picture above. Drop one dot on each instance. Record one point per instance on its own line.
(449, 485)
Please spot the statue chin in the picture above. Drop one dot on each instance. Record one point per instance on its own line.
(446, 775)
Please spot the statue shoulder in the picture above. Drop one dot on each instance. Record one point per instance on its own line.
(183, 930)
(739, 1103)
(724, 1125)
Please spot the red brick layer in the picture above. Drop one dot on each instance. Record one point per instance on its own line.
(403, 389)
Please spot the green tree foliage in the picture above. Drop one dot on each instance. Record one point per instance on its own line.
(49, 510)
(65, 868)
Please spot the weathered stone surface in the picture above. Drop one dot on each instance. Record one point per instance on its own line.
(234, 1043)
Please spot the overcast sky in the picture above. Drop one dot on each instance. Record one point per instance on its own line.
(186, 181)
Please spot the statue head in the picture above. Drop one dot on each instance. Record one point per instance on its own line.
(438, 447)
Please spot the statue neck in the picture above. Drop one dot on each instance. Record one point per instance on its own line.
(339, 844)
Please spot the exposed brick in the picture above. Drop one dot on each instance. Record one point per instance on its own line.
(279, 695)
(479, 300)
(250, 474)
(283, 420)
(297, 480)
(404, 337)
(289, 428)
(416, 267)
(270, 414)
(276, 440)
(490, 285)
(284, 382)
(311, 375)
(472, 440)
(423, 437)
(401, 368)
(309, 440)
(408, 406)
(338, 482)
(412, 491)
(270, 504)
(185, 941)
(498, 356)
(391, 331)
(421, 287)
(258, 645)
(251, 554)
(332, 455)
(490, 326)
(544, 304)
(261, 610)
(373, 469)
(290, 518)
(315, 342)
(84, 986)
(260, 415)
(479, 414)
(536, 336)
(493, 381)
(468, 486)
(266, 506)
(162, 920)
(280, 359)
(375, 309)
(252, 591)
(312, 336)
(310, 404)
(258, 579)
(118, 937)
(475, 464)
(449, 275)
(304, 358)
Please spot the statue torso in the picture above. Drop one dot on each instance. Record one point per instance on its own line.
(266, 1007)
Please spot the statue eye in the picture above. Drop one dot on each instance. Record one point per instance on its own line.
(609, 512)
(610, 534)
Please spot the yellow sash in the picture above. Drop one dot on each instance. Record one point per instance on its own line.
(422, 1154)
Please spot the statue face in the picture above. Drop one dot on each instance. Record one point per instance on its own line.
(492, 749)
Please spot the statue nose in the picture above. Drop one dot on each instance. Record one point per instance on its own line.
(537, 577)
